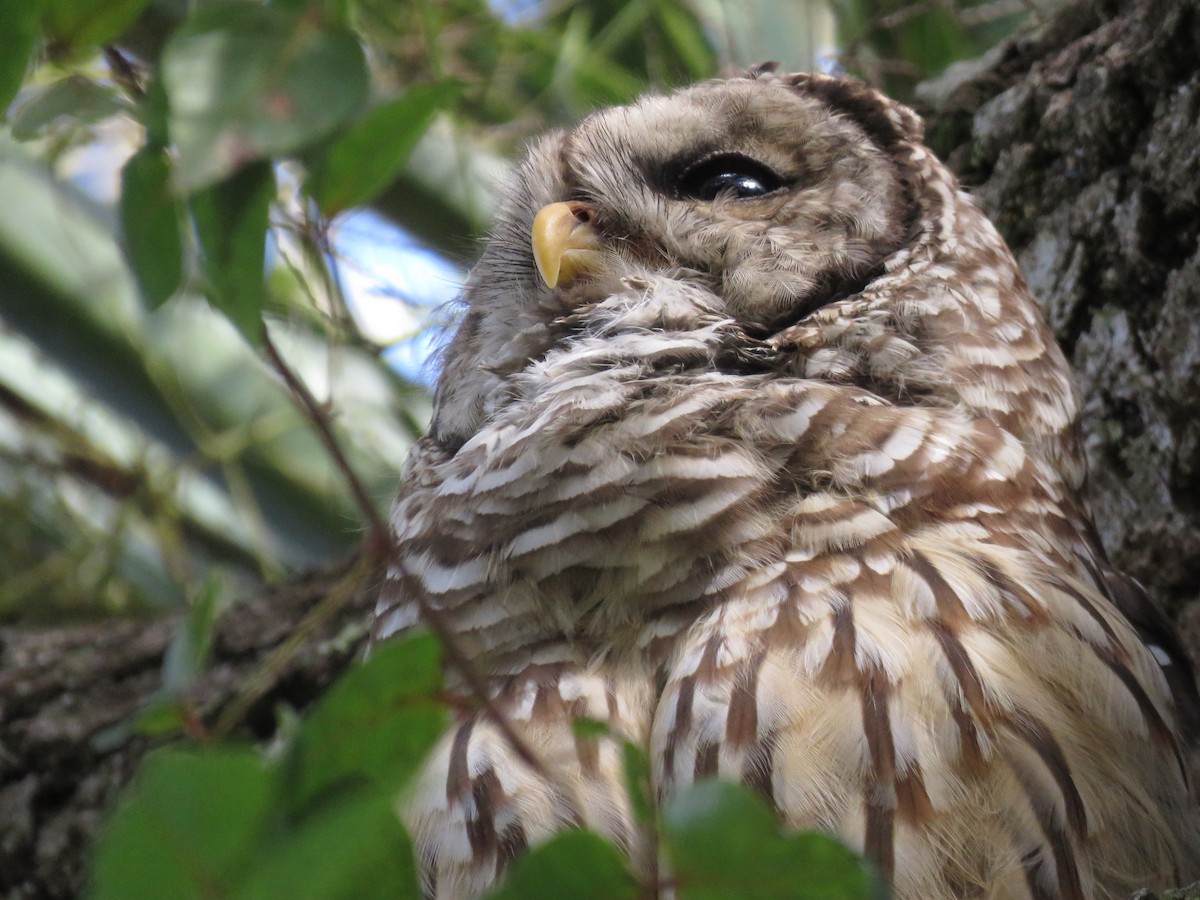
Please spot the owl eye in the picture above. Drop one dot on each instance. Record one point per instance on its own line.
(730, 175)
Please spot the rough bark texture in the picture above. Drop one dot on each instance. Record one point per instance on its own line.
(62, 691)
(1081, 139)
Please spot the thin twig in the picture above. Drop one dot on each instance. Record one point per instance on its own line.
(381, 546)
(881, 65)
(126, 73)
(462, 664)
(378, 540)
(990, 12)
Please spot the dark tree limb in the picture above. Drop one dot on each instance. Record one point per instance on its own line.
(1081, 139)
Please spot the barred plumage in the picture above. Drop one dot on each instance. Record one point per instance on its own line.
(781, 481)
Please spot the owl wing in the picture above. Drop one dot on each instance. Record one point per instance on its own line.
(931, 670)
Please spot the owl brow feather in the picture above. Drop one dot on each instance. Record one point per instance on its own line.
(884, 120)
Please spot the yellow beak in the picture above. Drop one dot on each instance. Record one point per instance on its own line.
(565, 245)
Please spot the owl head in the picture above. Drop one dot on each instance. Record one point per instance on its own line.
(797, 209)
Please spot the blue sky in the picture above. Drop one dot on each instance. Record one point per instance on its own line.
(396, 288)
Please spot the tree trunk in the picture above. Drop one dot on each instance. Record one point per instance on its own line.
(1082, 139)
(1083, 143)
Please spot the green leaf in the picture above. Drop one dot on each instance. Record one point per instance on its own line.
(75, 97)
(576, 864)
(188, 651)
(589, 728)
(247, 82)
(376, 724)
(74, 26)
(231, 224)
(723, 843)
(363, 161)
(637, 781)
(933, 40)
(188, 826)
(168, 711)
(19, 25)
(150, 217)
(353, 849)
(153, 113)
(161, 715)
(687, 35)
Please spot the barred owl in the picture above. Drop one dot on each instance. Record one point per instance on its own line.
(753, 445)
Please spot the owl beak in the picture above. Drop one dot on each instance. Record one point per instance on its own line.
(565, 243)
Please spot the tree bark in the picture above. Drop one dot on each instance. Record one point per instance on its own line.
(1082, 140)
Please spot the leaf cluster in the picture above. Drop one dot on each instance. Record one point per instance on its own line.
(315, 817)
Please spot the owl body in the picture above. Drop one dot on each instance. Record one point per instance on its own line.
(780, 483)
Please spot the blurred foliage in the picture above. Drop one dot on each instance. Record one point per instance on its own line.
(313, 817)
(174, 175)
(894, 44)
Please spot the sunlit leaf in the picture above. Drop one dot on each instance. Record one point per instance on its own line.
(576, 864)
(74, 97)
(247, 82)
(19, 26)
(724, 844)
(364, 160)
(231, 223)
(150, 219)
(353, 849)
(375, 725)
(190, 824)
(73, 26)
